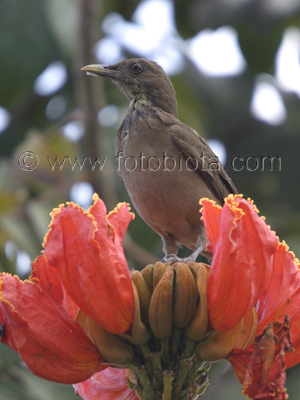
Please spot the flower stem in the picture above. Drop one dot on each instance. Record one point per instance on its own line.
(168, 379)
(168, 370)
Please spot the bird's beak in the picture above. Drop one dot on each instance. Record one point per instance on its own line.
(101, 70)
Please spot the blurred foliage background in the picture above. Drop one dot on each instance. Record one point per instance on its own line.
(235, 65)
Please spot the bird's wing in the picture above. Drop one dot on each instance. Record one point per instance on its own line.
(195, 148)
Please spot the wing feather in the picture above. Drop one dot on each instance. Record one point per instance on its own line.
(195, 148)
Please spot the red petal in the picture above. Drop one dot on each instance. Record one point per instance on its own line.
(70, 305)
(282, 296)
(292, 359)
(239, 360)
(48, 340)
(95, 274)
(47, 278)
(265, 376)
(211, 213)
(5, 337)
(110, 384)
(241, 261)
(293, 312)
(283, 283)
(119, 220)
(274, 389)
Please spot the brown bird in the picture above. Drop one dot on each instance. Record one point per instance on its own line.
(165, 165)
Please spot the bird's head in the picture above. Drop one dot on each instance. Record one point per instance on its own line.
(140, 80)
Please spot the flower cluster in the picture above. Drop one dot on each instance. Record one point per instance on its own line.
(84, 318)
(83, 268)
(254, 269)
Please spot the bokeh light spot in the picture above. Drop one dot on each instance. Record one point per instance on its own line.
(219, 148)
(217, 53)
(108, 51)
(23, 263)
(81, 193)
(52, 79)
(5, 119)
(108, 115)
(287, 61)
(267, 104)
(56, 107)
(151, 35)
(10, 249)
(73, 131)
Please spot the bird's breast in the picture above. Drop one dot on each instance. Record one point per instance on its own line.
(163, 185)
(145, 151)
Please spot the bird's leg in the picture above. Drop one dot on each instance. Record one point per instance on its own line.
(194, 255)
(171, 258)
(170, 248)
(192, 258)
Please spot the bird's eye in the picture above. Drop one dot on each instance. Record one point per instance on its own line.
(136, 67)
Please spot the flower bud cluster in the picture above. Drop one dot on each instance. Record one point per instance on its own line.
(171, 341)
(177, 298)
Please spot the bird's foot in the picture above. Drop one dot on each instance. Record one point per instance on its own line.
(193, 256)
(172, 258)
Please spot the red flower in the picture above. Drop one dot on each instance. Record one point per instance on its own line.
(250, 268)
(83, 268)
(242, 246)
(111, 384)
(265, 376)
(64, 321)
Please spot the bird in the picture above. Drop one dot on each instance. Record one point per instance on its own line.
(166, 166)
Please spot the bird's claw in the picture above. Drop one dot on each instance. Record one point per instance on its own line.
(171, 259)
